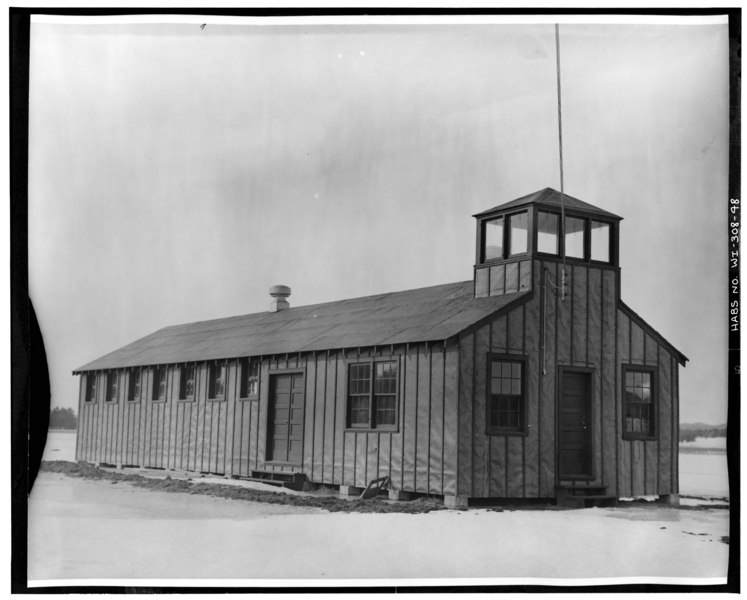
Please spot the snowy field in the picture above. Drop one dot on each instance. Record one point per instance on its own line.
(84, 529)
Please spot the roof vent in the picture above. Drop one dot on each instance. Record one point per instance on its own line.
(279, 294)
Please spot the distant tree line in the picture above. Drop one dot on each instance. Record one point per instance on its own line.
(689, 435)
(63, 418)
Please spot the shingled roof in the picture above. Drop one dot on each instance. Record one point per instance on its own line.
(549, 197)
(421, 315)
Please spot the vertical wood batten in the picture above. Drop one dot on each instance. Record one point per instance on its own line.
(548, 377)
(340, 416)
(436, 445)
(624, 446)
(596, 359)
(451, 419)
(514, 455)
(608, 392)
(675, 427)
(464, 474)
(348, 440)
(531, 442)
(409, 425)
(664, 417)
(320, 400)
(310, 416)
(422, 420)
(579, 310)
(480, 457)
(330, 415)
(361, 457)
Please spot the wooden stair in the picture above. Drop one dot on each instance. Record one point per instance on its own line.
(286, 479)
(572, 495)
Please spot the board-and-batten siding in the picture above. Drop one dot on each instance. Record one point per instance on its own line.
(229, 436)
(648, 466)
(585, 330)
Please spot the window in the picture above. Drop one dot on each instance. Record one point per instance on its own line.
(249, 368)
(159, 384)
(112, 386)
(639, 404)
(518, 233)
(506, 396)
(600, 241)
(547, 232)
(135, 377)
(216, 380)
(497, 238)
(90, 387)
(187, 382)
(372, 395)
(493, 239)
(574, 237)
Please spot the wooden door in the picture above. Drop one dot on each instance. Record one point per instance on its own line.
(285, 419)
(574, 426)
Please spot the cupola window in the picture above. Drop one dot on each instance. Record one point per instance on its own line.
(600, 241)
(493, 239)
(574, 237)
(518, 233)
(548, 237)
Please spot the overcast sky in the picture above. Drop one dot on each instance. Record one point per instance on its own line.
(177, 172)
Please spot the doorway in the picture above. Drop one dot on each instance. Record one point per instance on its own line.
(285, 418)
(574, 425)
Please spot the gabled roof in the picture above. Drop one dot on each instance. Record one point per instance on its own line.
(421, 315)
(549, 197)
(681, 358)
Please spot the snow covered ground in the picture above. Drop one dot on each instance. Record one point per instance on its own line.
(83, 529)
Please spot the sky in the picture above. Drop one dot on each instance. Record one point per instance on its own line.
(177, 172)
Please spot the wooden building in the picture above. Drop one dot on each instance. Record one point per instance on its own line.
(533, 380)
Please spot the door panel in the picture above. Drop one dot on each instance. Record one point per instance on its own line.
(574, 426)
(285, 423)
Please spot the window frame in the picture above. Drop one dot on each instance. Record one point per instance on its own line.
(111, 375)
(91, 393)
(183, 395)
(506, 233)
(610, 245)
(133, 397)
(248, 361)
(558, 234)
(653, 432)
(155, 395)
(372, 425)
(521, 359)
(212, 367)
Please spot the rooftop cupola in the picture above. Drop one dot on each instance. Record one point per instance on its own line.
(510, 236)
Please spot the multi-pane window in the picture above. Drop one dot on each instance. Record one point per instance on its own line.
(90, 387)
(493, 239)
(159, 384)
(506, 396)
(518, 224)
(574, 237)
(600, 241)
(112, 386)
(249, 373)
(547, 232)
(639, 405)
(187, 382)
(505, 236)
(216, 380)
(372, 395)
(135, 378)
